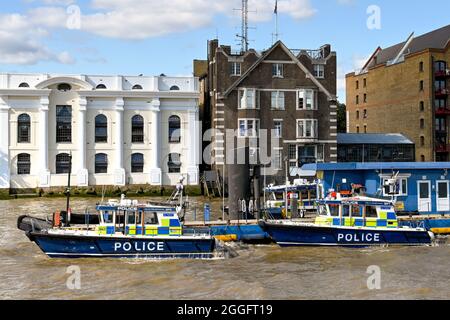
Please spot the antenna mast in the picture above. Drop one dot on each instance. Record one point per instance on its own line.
(244, 31)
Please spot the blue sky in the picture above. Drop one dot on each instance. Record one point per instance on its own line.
(155, 36)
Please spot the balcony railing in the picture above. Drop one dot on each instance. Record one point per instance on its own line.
(442, 148)
(441, 92)
(442, 73)
(442, 111)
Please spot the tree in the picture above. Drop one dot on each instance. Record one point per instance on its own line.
(342, 118)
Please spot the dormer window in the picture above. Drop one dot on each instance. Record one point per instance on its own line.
(101, 87)
(319, 71)
(277, 70)
(24, 85)
(137, 87)
(235, 68)
(64, 87)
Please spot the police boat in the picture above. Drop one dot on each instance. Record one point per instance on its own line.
(126, 229)
(355, 221)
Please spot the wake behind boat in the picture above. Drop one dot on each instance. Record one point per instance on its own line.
(126, 229)
(356, 221)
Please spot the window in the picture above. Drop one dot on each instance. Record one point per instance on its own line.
(278, 125)
(319, 71)
(307, 154)
(64, 87)
(248, 127)
(401, 187)
(174, 129)
(422, 124)
(357, 129)
(277, 158)
(101, 163)
(365, 129)
(24, 85)
(365, 115)
(100, 86)
(63, 163)
(137, 87)
(371, 212)
(63, 124)
(357, 115)
(422, 141)
(278, 100)
(137, 129)
(277, 70)
(439, 84)
(422, 106)
(365, 98)
(422, 158)
(307, 128)
(365, 83)
(235, 68)
(440, 103)
(23, 128)
(23, 164)
(421, 66)
(357, 84)
(306, 100)
(174, 163)
(137, 163)
(320, 152)
(357, 99)
(248, 99)
(440, 66)
(421, 85)
(174, 88)
(101, 129)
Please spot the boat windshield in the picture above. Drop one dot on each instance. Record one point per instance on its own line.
(371, 212)
(107, 217)
(334, 210)
(150, 218)
(346, 211)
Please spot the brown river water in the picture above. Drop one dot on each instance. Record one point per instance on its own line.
(259, 272)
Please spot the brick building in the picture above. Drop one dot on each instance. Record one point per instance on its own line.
(404, 88)
(291, 93)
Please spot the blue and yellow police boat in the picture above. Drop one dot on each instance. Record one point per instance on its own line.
(356, 221)
(126, 229)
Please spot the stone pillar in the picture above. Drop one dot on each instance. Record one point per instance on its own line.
(155, 167)
(44, 171)
(119, 171)
(5, 174)
(82, 172)
(193, 147)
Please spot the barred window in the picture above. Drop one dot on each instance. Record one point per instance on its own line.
(174, 163)
(137, 129)
(137, 163)
(101, 163)
(23, 128)
(23, 164)
(174, 129)
(63, 163)
(101, 129)
(63, 124)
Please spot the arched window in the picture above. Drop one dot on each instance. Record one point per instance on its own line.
(422, 141)
(174, 163)
(24, 85)
(101, 163)
(23, 128)
(63, 163)
(137, 129)
(137, 163)
(137, 87)
(64, 87)
(422, 124)
(357, 114)
(174, 129)
(100, 86)
(174, 88)
(23, 164)
(101, 129)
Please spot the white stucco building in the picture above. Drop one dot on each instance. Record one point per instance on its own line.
(119, 129)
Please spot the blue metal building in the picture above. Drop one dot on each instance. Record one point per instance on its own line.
(422, 187)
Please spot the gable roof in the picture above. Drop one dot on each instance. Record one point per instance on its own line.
(437, 39)
(293, 57)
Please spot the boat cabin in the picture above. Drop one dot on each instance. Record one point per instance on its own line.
(134, 219)
(357, 212)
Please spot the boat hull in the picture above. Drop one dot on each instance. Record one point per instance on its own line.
(64, 246)
(309, 235)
